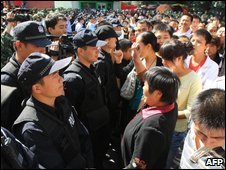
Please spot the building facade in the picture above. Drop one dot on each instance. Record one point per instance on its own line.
(101, 5)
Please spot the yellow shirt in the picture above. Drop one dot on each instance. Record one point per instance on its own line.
(191, 86)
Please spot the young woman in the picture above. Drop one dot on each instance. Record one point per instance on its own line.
(144, 58)
(144, 55)
(173, 54)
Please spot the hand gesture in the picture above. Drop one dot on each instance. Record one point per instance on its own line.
(117, 55)
(135, 51)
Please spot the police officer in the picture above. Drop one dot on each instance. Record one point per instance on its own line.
(29, 37)
(105, 67)
(48, 125)
(83, 89)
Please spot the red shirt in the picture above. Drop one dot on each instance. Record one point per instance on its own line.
(196, 68)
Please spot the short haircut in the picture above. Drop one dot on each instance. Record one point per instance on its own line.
(208, 109)
(145, 21)
(215, 41)
(189, 15)
(52, 19)
(196, 17)
(163, 27)
(125, 44)
(162, 79)
(204, 33)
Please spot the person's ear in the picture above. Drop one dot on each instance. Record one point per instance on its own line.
(36, 88)
(18, 44)
(158, 94)
(80, 50)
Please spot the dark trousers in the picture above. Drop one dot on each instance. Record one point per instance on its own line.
(100, 141)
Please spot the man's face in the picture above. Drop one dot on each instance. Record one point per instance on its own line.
(211, 138)
(195, 23)
(141, 28)
(89, 54)
(52, 86)
(211, 50)
(59, 29)
(185, 22)
(25, 49)
(212, 28)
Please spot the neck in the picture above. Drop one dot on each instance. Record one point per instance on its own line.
(150, 59)
(182, 71)
(198, 57)
(19, 59)
(87, 64)
(46, 100)
(184, 30)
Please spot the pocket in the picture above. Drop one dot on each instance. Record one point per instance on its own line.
(98, 118)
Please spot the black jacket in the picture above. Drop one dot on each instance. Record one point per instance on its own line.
(83, 89)
(148, 140)
(9, 78)
(106, 69)
(55, 135)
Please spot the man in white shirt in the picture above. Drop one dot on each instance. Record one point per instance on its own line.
(184, 26)
(79, 26)
(205, 141)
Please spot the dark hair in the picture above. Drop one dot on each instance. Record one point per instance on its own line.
(173, 48)
(215, 41)
(52, 19)
(150, 38)
(204, 33)
(162, 79)
(197, 17)
(145, 21)
(208, 109)
(163, 27)
(125, 44)
(189, 15)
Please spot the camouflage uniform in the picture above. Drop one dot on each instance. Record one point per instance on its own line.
(7, 48)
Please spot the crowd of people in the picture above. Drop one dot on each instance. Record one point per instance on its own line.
(61, 77)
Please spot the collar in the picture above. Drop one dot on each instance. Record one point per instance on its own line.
(150, 111)
(14, 61)
(44, 106)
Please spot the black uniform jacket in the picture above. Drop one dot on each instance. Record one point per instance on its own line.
(55, 135)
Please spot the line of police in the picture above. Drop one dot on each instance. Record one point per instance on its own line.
(91, 88)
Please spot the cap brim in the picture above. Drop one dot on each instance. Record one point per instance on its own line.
(100, 43)
(117, 25)
(60, 64)
(40, 42)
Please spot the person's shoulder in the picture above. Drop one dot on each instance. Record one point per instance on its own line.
(194, 76)
(211, 63)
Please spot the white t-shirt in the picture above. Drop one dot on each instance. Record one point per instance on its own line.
(192, 158)
(208, 72)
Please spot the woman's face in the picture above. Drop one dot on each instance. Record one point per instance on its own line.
(175, 65)
(199, 44)
(162, 36)
(152, 99)
(141, 47)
